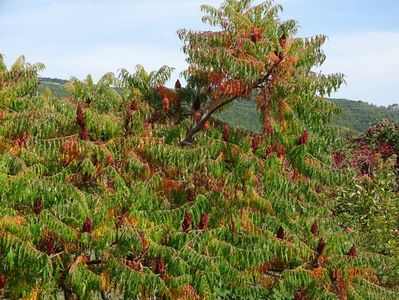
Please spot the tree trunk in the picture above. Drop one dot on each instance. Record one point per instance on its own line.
(207, 114)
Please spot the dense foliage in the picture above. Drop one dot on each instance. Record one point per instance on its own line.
(98, 198)
(368, 206)
(355, 116)
(254, 55)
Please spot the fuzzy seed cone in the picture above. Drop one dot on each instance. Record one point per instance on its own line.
(87, 225)
(315, 228)
(3, 281)
(80, 116)
(49, 243)
(187, 222)
(304, 138)
(84, 134)
(280, 233)
(37, 206)
(190, 196)
(160, 267)
(177, 84)
(204, 221)
(165, 104)
(255, 143)
(283, 41)
(226, 133)
(255, 35)
(197, 104)
(352, 252)
(320, 246)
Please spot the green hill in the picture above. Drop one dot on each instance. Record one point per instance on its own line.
(55, 85)
(359, 115)
(355, 115)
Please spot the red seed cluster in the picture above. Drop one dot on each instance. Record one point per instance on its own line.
(226, 133)
(204, 221)
(160, 267)
(320, 246)
(3, 281)
(255, 143)
(49, 243)
(188, 219)
(87, 225)
(255, 34)
(84, 134)
(177, 84)
(80, 119)
(315, 228)
(280, 233)
(304, 138)
(37, 206)
(20, 140)
(197, 104)
(352, 252)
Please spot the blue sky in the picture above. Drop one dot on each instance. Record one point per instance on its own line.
(77, 37)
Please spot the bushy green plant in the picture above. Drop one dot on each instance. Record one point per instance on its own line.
(100, 200)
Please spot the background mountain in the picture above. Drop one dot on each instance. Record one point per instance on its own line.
(355, 116)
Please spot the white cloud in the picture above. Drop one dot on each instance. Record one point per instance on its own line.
(370, 62)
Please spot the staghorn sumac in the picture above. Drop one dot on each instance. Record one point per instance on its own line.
(304, 138)
(84, 134)
(204, 221)
(3, 281)
(37, 206)
(320, 246)
(48, 243)
(177, 84)
(255, 34)
(187, 222)
(165, 104)
(160, 266)
(352, 252)
(80, 120)
(87, 225)
(315, 228)
(226, 132)
(196, 104)
(280, 234)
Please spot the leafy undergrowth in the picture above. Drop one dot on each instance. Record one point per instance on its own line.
(368, 207)
(98, 199)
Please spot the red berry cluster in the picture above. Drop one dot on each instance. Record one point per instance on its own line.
(188, 219)
(80, 120)
(226, 133)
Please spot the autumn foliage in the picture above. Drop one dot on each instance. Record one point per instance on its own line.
(99, 200)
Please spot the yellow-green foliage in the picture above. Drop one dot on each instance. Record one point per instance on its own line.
(123, 213)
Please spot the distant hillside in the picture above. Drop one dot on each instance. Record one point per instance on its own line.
(359, 115)
(55, 85)
(355, 115)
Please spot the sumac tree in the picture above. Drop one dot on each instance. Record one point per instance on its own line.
(252, 54)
